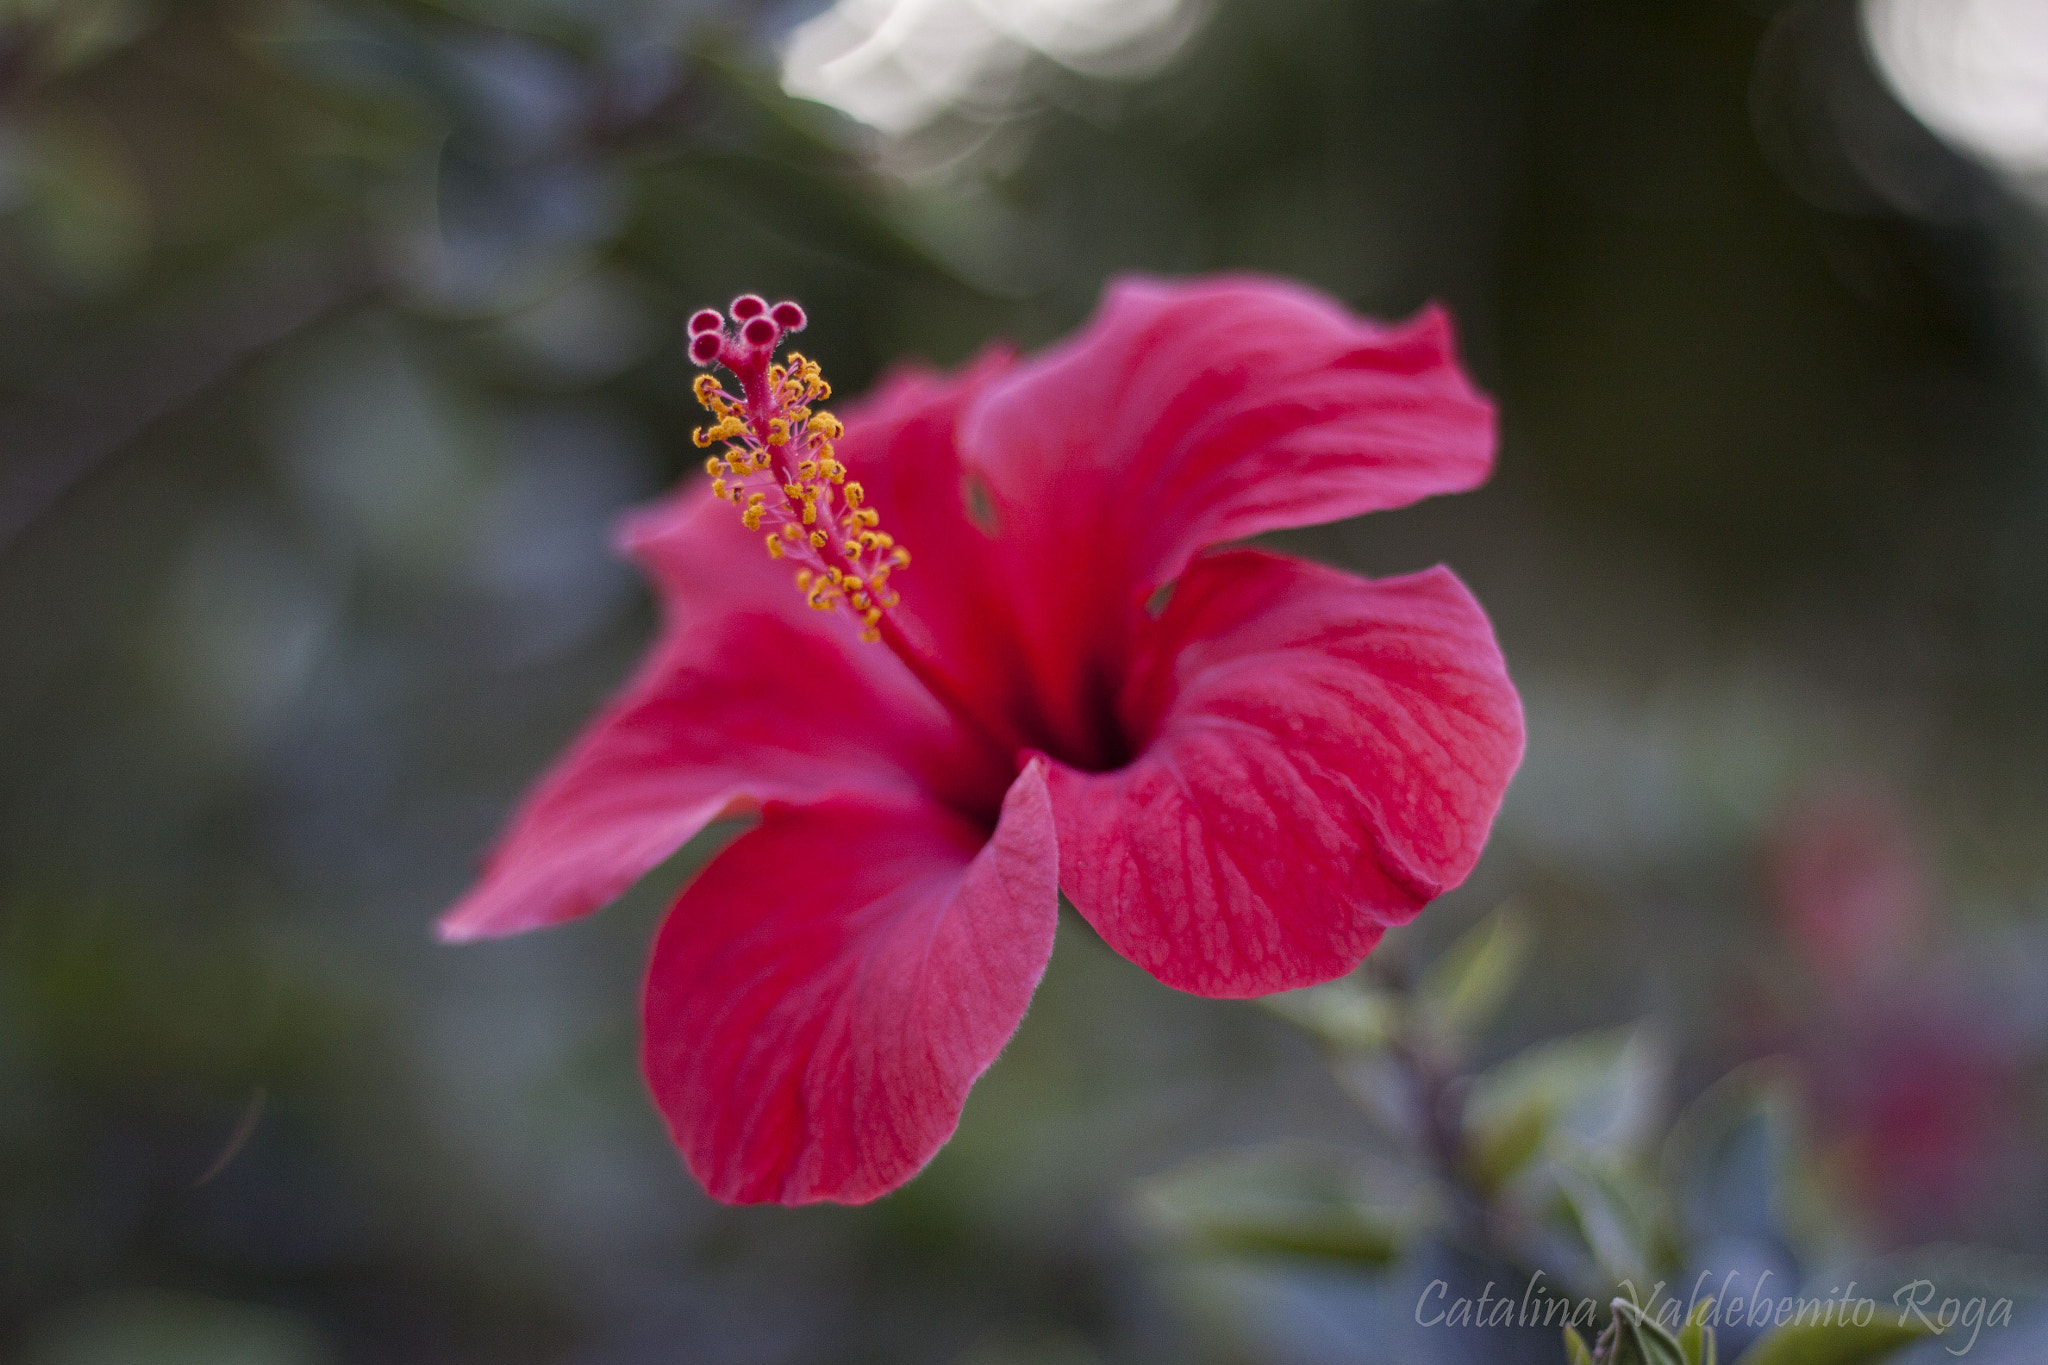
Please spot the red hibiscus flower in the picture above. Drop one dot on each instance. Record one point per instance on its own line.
(1239, 767)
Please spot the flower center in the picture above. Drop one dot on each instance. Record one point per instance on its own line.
(778, 466)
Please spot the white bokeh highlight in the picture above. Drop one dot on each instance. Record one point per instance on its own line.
(896, 65)
(1975, 72)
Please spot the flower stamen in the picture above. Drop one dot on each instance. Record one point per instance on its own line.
(776, 442)
(779, 466)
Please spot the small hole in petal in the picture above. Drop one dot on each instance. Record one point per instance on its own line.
(981, 508)
(1155, 605)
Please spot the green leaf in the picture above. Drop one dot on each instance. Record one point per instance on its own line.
(1641, 1340)
(1697, 1339)
(1833, 1343)
(1349, 1015)
(1290, 1200)
(1739, 1163)
(1597, 1094)
(1465, 988)
(1611, 1218)
(1575, 1350)
(1499, 1151)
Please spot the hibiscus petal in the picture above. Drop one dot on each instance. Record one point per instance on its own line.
(748, 697)
(825, 993)
(1190, 413)
(1326, 757)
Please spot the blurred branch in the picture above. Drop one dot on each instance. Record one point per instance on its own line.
(98, 401)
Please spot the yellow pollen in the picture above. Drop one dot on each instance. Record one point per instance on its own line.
(779, 468)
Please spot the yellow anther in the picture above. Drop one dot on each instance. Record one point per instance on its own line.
(846, 558)
(726, 428)
(870, 636)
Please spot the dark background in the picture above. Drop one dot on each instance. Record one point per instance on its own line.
(334, 335)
